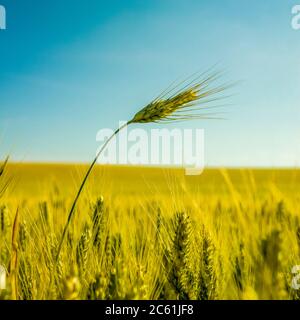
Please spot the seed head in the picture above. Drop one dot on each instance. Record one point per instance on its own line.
(184, 104)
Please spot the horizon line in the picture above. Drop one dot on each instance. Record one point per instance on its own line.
(147, 166)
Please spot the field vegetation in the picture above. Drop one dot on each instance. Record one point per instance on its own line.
(149, 233)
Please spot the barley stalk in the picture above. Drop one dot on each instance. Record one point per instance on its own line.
(14, 257)
(181, 105)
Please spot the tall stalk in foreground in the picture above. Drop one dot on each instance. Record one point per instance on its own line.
(172, 105)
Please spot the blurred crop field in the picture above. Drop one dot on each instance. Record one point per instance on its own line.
(150, 233)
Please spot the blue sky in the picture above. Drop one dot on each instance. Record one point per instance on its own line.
(69, 68)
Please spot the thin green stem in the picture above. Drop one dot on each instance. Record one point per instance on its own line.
(72, 210)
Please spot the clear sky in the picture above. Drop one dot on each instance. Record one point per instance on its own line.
(71, 67)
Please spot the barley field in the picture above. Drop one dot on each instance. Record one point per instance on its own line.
(149, 233)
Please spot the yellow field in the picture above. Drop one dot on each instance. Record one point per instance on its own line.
(145, 233)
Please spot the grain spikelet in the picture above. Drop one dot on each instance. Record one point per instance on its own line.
(82, 249)
(98, 223)
(4, 220)
(184, 104)
(180, 273)
(207, 278)
(23, 235)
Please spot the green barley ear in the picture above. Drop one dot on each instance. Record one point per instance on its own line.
(182, 232)
(44, 213)
(4, 220)
(82, 249)
(158, 228)
(23, 235)
(187, 104)
(239, 274)
(116, 246)
(98, 220)
(180, 275)
(207, 277)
